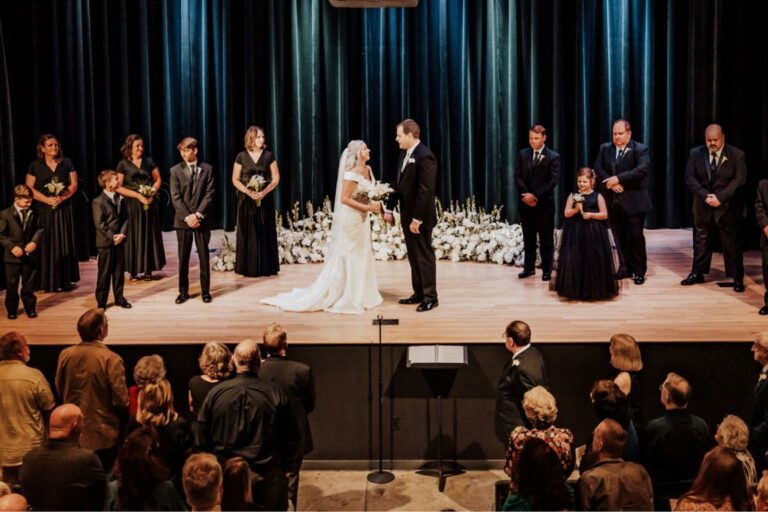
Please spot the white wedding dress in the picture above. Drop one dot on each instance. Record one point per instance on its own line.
(347, 284)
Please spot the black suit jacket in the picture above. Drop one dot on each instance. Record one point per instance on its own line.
(188, 199)
(758, 426)
(632, 170)
(539, 180)
(296, 380)
(109, 221)
(761, 209)
(728, 185)
(416, 187)
(12, 235)
(515, 380)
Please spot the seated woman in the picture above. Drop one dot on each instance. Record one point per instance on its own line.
(148, 369)
(720, 484)
(541, 410)
(142, 478)
(587, 261)
(733, 433)
(540, 480)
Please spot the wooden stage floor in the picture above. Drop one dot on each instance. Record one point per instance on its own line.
(477, 300)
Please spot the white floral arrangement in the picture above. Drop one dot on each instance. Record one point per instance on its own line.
(224, 259)
(256, 183)
(54, 188)
(464, 232)
(146, 191)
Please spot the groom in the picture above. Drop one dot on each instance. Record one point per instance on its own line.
(415, 188)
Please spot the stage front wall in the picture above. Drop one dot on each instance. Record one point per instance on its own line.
(345, 420)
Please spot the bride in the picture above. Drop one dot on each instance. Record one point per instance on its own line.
(347, 283)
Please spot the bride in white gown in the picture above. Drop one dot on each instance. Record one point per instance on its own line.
(347, 283)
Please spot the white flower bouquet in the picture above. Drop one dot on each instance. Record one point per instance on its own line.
(146, 191)
(54, 188)
(256, 183)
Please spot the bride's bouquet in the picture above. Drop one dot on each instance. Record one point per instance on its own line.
(146, 191)
(256, 183)
(379, 191)
(54, 188)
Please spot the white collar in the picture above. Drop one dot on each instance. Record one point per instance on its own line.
(719, 153)
(623, 148)
(765, 369)
(517, 354)
(540, 150)
(410, 150)
(109, 194)
(192, 164)
(18, 210)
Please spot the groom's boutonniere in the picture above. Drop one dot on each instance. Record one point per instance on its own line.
(763, 376)
(725, 159)
(411, 160)
(515, 362)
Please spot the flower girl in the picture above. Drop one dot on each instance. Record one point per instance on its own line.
(588, 260)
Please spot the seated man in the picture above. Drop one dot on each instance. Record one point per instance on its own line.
(611, 483)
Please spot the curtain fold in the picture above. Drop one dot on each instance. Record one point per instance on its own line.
(475, 75)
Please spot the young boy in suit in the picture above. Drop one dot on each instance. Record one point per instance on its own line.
(111, 219)
(20, 232)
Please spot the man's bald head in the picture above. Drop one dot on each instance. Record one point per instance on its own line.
(13, 502)
(247, 356)
(714, 137)
(66, 421)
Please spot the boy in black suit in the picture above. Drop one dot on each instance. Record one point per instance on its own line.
(111, 219)
(20, 232)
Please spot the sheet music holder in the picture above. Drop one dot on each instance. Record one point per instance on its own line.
(437, 356)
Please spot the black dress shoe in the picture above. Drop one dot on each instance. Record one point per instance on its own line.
(124, 304)
(207, 297)
(68, 288)
(147, 277)
(413, 299)
(427, 305)
(133, 278)
(639, 279)
(763, 310)
(546, 276)
(738, 287)
(525, 273)
(182, 298)
(31, 313)
(12, 316)
(693, 278)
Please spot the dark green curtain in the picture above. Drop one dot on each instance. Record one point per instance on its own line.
(475, 74)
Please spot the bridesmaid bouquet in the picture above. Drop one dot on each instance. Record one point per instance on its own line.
(54, 189)
(146, 191)
(256, 183)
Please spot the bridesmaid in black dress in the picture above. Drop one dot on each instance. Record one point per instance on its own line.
(144, 252)
(587, 261)
(256, 230)
(58, 263)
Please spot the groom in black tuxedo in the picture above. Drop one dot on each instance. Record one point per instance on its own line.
(536, 175)
(192, 190)
(415, 188)
(623, 167)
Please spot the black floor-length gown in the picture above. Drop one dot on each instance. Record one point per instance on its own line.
(256, 252)
(144, 250)
(57, 255)
(588, 260)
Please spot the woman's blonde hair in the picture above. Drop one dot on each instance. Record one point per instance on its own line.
(148, 369)
(216, 361)
(250, 137)
(733, 433)
(625, 353)
(156, 404)
(540, 406)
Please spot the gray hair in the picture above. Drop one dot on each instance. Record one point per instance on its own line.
(733, 433)
(540, 406)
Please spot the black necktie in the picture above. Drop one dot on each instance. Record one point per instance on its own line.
(536, 157)
(619, 155)
(24, 216)
(193, 173)
(116, 200)
(713, 162)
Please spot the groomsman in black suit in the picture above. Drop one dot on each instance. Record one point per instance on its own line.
(192, 190)
(20, 232)
(716, 173)
(536, 175)
(758, 427)
(524, 371)
(761, 213)
(111, 219)
(623, 167)
(415, 188)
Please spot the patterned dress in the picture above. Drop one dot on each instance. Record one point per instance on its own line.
(559, 439)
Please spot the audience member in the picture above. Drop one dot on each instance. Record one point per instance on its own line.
(761, 496)
(202, 480)
(296, 381)
(92, 377)
(4, 489)
(674, 444)
(175, 438)
(216, 364)
(625, 357)
(612, 483)
(142, 477)
(609, 402)
(720, 484)
(26, 401)
(250, 418)
(148, 369)
(522, 372)
(758, 428)
(733, 433)
(13, 503)
(541, 410)
(540, 481)
(237, 485)
(60, 475)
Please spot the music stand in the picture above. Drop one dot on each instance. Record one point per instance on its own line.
(439, 365)
(380, 476)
